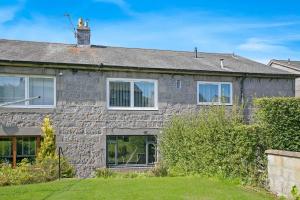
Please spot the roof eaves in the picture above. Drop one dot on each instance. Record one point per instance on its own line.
(104, 67)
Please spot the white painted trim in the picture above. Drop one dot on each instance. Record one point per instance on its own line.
(131, 81)
(26, 77)
(219, 93)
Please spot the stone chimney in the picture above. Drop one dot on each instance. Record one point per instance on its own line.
(83, 33)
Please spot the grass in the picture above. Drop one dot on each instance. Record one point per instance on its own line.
(136, 188)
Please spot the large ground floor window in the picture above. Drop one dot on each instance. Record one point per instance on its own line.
(131, 150)
(14, 149)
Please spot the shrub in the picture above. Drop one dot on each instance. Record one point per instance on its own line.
(104, 173)
(46, 166)
(159, 170)
(214, 142)
(280, 117)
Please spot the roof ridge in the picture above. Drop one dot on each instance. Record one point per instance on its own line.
(108, 46)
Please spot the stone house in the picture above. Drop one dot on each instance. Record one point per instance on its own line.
(108, 104)
(289, 66)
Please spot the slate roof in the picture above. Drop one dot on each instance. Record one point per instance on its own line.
(295, 65)
(13, 50)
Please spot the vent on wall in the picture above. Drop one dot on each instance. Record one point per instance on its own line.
(178, 84)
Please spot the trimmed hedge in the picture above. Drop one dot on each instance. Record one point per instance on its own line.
(280, 116)
(214, 142)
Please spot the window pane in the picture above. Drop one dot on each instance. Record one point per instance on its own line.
(143, 94)
(20, 146)
(119, 94)
(12, 89)
(131, 150)
(208, 93)
(43, 87)
(5, 147)
(225, 93)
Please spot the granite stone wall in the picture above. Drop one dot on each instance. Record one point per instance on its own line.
(82, 119)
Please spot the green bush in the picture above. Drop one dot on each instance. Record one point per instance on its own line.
(160, 170)
(44, 169)
(281, 118)
(104, 173)
(214, 142)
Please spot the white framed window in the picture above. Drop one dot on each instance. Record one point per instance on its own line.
(131, 94)
(15, 88)
(214, 93)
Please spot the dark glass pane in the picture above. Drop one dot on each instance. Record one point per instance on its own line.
(119, 94)
(19, 146)
(32, 144)
(5, 147)
(151, 153)
(12, 89)
(143, 94)
(131, 150)
(225, 93)
(208, 93)
(43, 87)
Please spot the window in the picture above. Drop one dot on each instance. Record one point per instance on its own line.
(134, 94)
(25, 147)
(131, 150)
(214, 93)
(18, 88)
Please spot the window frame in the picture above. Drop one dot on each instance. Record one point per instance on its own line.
(219, 93)
(131, 81)
(26, 103)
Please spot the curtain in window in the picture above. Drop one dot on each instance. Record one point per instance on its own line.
(43, 87)
(208, 93)
(12, 89)
(225, 93)
(119, 94)
(143, 94)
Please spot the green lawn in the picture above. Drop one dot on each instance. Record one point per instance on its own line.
(137, 188)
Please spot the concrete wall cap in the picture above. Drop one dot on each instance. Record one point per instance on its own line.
(293, 154)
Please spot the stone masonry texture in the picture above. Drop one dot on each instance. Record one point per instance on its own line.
(82, 120)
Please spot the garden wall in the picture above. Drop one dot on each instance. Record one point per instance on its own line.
(283, 171)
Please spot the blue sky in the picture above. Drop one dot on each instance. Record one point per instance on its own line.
(257, 29)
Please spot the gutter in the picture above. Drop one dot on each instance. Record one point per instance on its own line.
(103, 67)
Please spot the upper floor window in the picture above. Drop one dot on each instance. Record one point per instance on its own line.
(20, 89)
(214, 93)
(136, 94)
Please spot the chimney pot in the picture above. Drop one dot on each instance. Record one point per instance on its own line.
(83, 33)
(222, 63)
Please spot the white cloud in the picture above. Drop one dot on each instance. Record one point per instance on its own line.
(123, 5)
(8, 13)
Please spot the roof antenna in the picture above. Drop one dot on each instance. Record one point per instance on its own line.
(67, 15)
(196, 52)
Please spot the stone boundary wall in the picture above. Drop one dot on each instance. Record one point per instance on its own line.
(283, 171)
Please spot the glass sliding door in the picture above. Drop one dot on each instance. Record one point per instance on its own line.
(131, 150)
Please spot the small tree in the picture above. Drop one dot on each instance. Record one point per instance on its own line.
(47, 149)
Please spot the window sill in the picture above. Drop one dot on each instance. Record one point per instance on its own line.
(131, 109)
(26, 109)
(214, 104)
